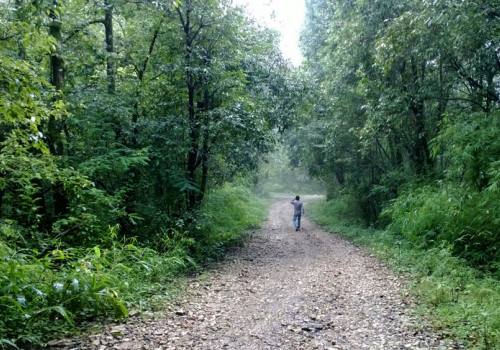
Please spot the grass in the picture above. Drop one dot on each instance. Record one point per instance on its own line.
(461, 302)
(69, 289)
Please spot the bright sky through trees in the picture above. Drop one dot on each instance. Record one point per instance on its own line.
(286, 16)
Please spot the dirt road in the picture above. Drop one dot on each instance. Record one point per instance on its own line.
(283, 290)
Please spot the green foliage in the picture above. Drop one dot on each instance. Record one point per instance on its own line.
(116, 118)
(471, 145)
(465, 220)
(69, 286)
(463, 209)
(344, 208)
(404, 118)
(36, 191)
(459, 301)
(404, 92)
(41, 298)
(226, 214)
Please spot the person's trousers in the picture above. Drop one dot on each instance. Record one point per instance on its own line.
(296, 221)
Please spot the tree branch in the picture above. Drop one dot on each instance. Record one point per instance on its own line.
(140, 73)
(82, 27)
(195, 34)
(181, 17)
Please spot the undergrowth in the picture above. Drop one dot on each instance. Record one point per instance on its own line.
(48, 296)
(226, 214)
(463, 303)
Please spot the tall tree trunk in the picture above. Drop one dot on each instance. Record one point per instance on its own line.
(205, 148)
(193, 154)
(54, 134)
(421, 154)
(194, 126)
(204, 161)
(141, 70)
(443, 91)
(20, 44)
(108, 28)
(55, 201)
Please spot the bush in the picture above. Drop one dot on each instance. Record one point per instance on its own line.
(462, 302)
(75, 285)
(466, 220)
(225, 215)
(44, 297)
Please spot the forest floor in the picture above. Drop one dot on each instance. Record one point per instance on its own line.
(282, 290)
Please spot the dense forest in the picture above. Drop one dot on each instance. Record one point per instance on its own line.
(117, 118)
(132, 133)
(405, 120)
(403, 127)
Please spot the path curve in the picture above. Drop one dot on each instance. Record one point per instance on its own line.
(283, 290)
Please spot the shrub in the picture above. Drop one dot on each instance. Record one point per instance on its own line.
(70, 286)
(44, 297)
(465, 219)
(225, 215)
(461, 301)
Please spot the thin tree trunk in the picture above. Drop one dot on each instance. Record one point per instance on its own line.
(20, 43)
(421, 153)
(108, 28)
(194, 127)
(57, 204)
(54, 135)
(205, 148)
(443, 91)
(204, 161)
(56, 61)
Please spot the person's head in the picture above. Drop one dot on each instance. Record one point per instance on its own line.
(297, 198)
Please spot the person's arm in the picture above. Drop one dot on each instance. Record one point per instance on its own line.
(303, 209)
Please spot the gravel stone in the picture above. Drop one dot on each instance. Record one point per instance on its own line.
(283, 290)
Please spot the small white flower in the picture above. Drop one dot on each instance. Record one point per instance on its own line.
(75, 284)
(38, 292)
(58, 286)
(33, 119)
(21, 299)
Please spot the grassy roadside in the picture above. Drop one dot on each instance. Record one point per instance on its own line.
(460, 301)
(69, 289)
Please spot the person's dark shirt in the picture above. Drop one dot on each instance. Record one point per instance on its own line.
(298, 207)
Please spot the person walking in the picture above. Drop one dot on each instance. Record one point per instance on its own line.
(298, 211)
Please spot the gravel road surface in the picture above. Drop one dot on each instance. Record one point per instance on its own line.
(282, 290)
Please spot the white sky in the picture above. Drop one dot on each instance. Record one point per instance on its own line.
(286, 16)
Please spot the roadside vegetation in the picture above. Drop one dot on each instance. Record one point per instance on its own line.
(406, 118)
(459, 301)
(128, 133)
(46, 296)
(403, 128)
(131, 131)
